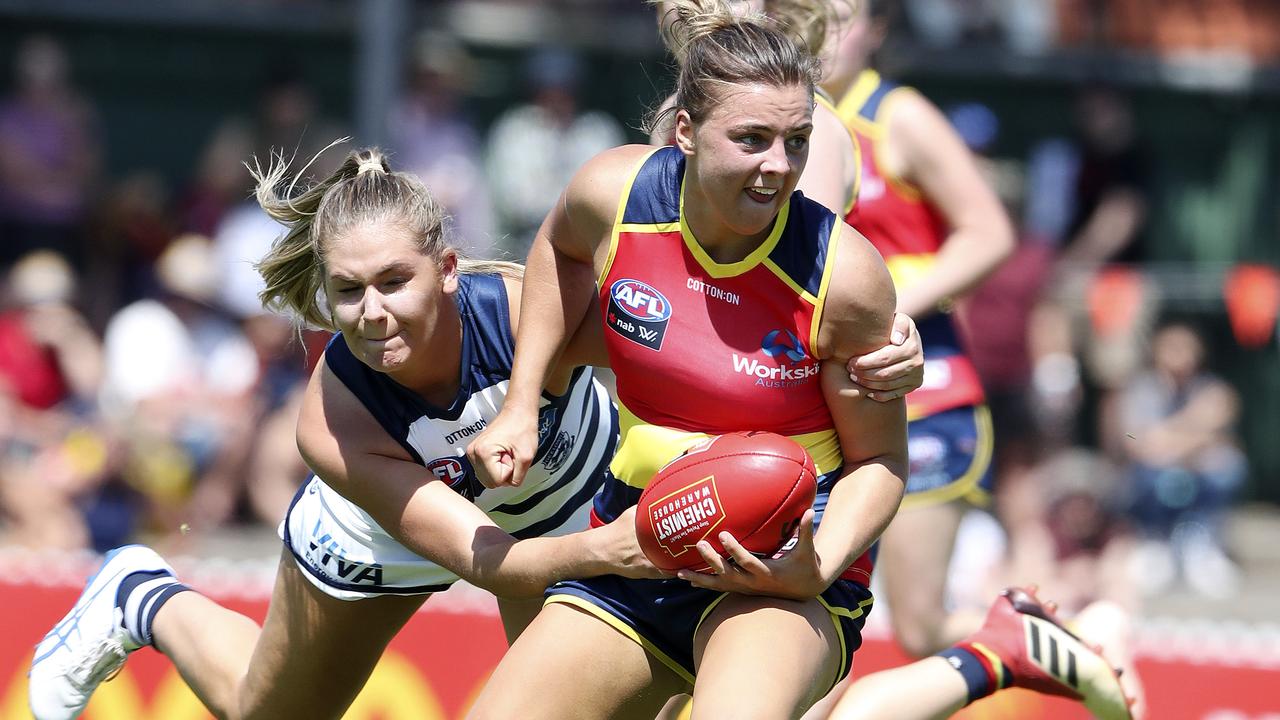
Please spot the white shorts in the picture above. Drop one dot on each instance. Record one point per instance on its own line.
(348, 556)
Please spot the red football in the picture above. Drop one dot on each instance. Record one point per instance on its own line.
(755, 485)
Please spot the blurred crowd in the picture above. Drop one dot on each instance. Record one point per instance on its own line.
(145, 391)
(1248, 27)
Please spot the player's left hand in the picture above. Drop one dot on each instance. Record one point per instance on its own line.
(892, 371)
(797, 575)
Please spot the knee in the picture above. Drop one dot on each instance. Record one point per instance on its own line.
(918, 635)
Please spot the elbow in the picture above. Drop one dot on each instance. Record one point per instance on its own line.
(1003, 241)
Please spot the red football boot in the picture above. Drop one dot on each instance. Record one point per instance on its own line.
(1042, 655)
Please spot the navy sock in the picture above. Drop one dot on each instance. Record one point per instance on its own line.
(982, 671)
(140, 597)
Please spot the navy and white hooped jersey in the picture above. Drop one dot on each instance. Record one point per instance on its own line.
(577, 436)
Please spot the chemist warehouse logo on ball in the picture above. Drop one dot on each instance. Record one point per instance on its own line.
(793, 365)
(638, 312)
(681, 519)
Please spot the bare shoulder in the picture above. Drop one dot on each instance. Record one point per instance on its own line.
(596, 186)
(913, 119)
(827, 122)
(857, 314)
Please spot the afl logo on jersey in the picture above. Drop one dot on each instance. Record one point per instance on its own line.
(640, 301)
(456, 473)
(638, 312)
(448, 469)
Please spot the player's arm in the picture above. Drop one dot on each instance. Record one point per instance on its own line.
(924, 150)
(559, 286)
(873, 435)
(347, 448)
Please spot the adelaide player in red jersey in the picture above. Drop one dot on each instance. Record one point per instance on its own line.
(727, 302)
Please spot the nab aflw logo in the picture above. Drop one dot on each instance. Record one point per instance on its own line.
(638, 312)
(784, 346)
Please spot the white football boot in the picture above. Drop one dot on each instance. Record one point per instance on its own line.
(90, 643)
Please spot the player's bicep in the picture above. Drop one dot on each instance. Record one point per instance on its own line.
(857, 314)
(337, 435)
(869, 431)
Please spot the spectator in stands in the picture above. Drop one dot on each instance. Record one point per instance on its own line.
(275, 470)
(1110, 188)
(434, 139)
(535, 148)
(221, 180)
(1175, 427)
(48, 155)
(179, 381)
(53, 458)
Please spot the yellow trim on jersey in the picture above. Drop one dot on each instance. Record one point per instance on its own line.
(625, 629)
(666, 227)
(849, 109)
(795, 287)
(617, 220)
(754, 258)
(824, 447)
(828, 270)
(966, 487)
(644, 448)
(903, 188)
(907, 268)
(857, 177)
(850, 106)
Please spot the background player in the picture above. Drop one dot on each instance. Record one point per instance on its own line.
(927, 209)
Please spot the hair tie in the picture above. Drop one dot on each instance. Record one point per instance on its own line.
(370, 164)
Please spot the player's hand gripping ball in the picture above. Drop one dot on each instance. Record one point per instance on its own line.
(755, 485)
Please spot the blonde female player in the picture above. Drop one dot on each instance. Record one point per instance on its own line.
(418, 364)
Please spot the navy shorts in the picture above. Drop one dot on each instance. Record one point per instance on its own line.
(663, 615)
(950, 456)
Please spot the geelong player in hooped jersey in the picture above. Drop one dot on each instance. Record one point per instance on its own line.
(418, 367)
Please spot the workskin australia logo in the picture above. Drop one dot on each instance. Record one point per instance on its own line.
(794, 367)
(638, 312)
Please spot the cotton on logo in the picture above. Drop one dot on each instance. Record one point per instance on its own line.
(640, 301)
(447, 469)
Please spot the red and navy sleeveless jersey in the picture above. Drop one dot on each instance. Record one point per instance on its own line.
(908, 232)
(704, 348)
